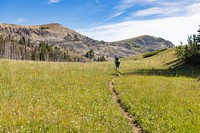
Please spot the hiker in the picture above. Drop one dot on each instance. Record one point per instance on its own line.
(117, 63)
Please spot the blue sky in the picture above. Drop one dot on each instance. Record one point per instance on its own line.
(71, 13)
(109, 20)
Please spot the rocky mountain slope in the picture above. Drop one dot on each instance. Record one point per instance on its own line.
(146, 43)
(56, 35)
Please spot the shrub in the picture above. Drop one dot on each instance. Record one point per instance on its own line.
(149, 54)
(101, 58)
(43, 28)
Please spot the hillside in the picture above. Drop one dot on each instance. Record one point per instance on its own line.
(68, 42)
(162, 94)
(75, 97)
(146, 43)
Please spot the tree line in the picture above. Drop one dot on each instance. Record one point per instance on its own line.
(190, 53)
(24, 49)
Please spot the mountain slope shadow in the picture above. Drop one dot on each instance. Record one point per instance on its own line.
(176, 70)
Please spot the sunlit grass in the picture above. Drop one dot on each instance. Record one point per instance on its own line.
(57, 97)
(74, 97)
(162, 104)
(163, 99)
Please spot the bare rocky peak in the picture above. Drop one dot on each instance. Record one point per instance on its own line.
(47, 32)
(147, 43)
(56, 28)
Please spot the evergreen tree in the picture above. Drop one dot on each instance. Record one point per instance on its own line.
(190, 53)
(90, 54)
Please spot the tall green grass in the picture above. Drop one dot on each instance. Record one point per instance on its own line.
(163, 97)
(74, 97)
(58, 97)
(162, 104)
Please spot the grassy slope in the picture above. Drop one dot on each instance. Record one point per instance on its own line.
(73, 97)
(58, 97)
(163, 97)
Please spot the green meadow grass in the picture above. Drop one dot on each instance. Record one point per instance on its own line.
(162, 97)
(74, 97)
(162, 104)
(58, 97)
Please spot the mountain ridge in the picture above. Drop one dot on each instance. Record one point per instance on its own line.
(57, 35)
(147, 42)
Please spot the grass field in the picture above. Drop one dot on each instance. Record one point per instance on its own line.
(74, 97)
(58, 97)
(163, 97)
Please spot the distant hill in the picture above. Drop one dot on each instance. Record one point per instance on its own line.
(64, 44)
(146, 43)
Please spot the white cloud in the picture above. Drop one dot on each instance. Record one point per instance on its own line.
(53, 1)
(116, 15)
(174, 29)
(125, 4)
(156, 11)
(193, 9)
(161, 4)
(178, 20)
(150, 11)
(169, 9)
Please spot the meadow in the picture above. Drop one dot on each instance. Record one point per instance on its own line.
(58, 97)
(75, 97)
(163, 97)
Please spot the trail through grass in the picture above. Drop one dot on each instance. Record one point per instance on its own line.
(162, 98)
(74, 97)
(135, 126)
(58, 97)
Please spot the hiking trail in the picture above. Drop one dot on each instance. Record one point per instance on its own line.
(127, 115)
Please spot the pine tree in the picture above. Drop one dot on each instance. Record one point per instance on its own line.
(190, 53)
